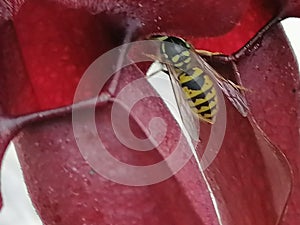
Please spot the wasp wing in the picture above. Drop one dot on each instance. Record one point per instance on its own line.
(230, 89)
(189, 118)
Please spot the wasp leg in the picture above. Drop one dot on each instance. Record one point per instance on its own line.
(224, 59)
(205, 53)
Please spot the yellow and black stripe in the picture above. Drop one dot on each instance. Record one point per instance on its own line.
(196, 84)
(200, 93)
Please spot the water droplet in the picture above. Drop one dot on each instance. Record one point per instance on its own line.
(92, 172)
(50, 190)
(96, 209)
(85, 179)
(74, 169)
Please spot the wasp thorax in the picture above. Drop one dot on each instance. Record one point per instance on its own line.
(175, 50)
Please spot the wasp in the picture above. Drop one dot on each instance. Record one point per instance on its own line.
(197, 79)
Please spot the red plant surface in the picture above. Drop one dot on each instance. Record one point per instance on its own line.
(47, 45)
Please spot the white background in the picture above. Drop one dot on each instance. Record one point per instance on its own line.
(17, 209)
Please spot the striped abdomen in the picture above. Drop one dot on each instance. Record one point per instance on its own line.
(200, 92)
